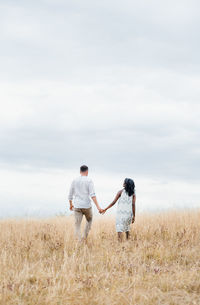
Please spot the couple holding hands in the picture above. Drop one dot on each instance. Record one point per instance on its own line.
(82, 189)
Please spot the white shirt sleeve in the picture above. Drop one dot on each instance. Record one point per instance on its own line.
(71, 191)
(91, 189)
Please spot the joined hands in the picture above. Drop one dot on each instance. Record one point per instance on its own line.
(102, 211)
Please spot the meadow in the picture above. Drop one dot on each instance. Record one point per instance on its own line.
(41, 262)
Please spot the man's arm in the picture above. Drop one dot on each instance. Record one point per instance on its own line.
(94, 199)
(93, 196)
(133, 207)
(70, 197)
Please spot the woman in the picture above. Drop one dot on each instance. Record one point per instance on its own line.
(125, 209)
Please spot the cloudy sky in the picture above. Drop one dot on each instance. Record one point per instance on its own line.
(113, 84)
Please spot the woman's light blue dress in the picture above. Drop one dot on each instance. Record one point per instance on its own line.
(124, 212)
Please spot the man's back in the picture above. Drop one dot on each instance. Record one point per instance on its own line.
(82, 189)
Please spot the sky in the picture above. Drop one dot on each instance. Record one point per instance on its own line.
(111, 84)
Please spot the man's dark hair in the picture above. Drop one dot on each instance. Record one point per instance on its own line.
(83, 168)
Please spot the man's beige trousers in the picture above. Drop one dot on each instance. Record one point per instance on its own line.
(78, 213)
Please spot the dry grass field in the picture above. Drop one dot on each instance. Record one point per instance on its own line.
(41, 263)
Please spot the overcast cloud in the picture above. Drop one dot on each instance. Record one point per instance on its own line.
(111, 84)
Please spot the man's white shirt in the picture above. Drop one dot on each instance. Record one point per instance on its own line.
(81, 190)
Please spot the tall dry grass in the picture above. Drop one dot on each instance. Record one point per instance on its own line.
(41, 263)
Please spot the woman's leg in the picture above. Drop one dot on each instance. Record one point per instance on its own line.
(127, 235)
(119, 236)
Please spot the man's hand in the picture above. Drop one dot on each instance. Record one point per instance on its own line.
(71, 205)
(133, 219)
(101, 210)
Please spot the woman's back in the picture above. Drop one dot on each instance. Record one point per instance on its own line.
(124, 212)
(125, 201)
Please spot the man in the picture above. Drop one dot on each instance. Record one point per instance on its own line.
(82, 189)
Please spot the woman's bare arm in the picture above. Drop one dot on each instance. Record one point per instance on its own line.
(114, 201)
(133, 207)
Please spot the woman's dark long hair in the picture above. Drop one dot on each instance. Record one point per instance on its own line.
(129, 186)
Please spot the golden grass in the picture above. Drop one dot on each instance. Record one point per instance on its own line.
(41, 263)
